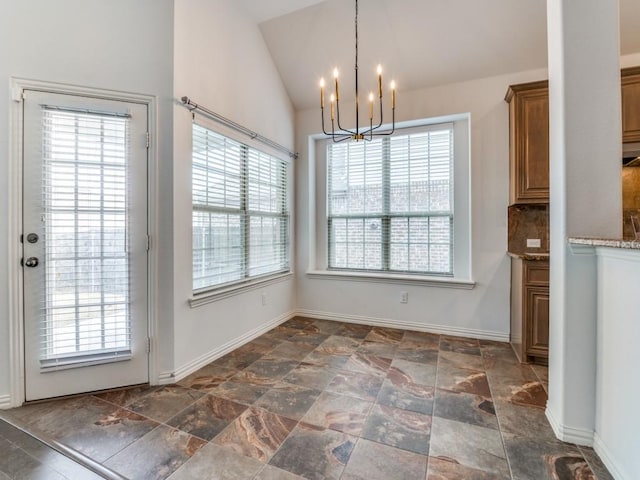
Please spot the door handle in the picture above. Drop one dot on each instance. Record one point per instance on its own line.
(31, 262)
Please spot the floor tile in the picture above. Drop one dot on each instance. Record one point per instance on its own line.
(460, 345)
(291, 401)
(355, 384)
(327, 327)
(519, 392)
(466, 408)
(214, 462)
(242, 392)
(314, 452)
(354, 330)
(321, 399)
(124, 396)
(385, 350)
(463, 381)
(385, 335)
(499, 367)
(164, 450)
(309, 337)
(326, 360)
(338, 412)
(291, 350)
(533, 458)
(240, 360)
(406, 372)
(374, 461)
(15, 463)
(406, 395)
(298, 323)
(208, 377)
(595, 463)
(274, 473)
(470, 445)
(420, 340)
(460, 361)
(272, 367)
(44, 455)
(426, 356)
(164, 403)
(93, 427)
(257, 433)
(207, 417)
(398, 428)
(525, 421)
(338, 346)
(368, 364)
(448, 469)
(310, 376)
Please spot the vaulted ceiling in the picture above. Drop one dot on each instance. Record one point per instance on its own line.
(420, 43)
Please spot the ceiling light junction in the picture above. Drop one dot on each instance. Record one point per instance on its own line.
(340, 134)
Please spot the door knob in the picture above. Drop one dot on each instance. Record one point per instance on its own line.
(32, 238)
(31, 262)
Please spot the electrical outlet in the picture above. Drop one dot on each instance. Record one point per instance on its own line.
(264, 298)
(533, 243)
(404, 297)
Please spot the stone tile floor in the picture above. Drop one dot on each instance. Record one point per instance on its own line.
(327, 400)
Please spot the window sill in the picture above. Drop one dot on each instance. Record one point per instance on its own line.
(444, 282)
(226, 292)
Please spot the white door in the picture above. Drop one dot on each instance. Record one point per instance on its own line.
(84, 244)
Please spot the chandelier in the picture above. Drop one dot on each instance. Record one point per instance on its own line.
(340, 133)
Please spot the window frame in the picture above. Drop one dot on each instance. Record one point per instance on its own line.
(317, 267)
(217, 291)
(386, 215)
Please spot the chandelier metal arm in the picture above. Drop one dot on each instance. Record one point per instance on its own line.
(367, 134)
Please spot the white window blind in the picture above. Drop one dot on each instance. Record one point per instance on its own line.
(86, 290)
(240, 211)
(390, 203)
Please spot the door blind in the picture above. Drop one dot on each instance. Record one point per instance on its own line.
(240, 211)
(86, 290)
(390, 203)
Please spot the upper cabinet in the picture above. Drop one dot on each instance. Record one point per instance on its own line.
(529, 142)
(631, 104)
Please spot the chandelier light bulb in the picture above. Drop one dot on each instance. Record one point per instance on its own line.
(322, 82)
(335, 73)
(379, 69)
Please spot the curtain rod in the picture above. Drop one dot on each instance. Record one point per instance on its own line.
(191, 105)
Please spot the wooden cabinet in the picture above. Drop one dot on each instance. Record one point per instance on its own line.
(631, 104)
(530, 309)
(529, 142)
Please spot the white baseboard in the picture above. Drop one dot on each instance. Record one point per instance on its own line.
(579, 436)
(5, 402)
(197, 363)
(608, 459)
(422, 327)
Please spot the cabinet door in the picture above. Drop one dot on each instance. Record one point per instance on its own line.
(537, 312)
(529, 149)
(631, 105)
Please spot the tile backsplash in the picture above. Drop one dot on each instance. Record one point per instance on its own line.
(630, 198)
(528, 221)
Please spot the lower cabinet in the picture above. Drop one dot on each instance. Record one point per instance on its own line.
(530, 309)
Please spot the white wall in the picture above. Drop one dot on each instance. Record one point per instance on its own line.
(222, 63)
(481, 311)
(617, 440)
(87, 43)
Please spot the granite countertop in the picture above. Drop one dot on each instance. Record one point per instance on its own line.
(606, 242)
(538, 256)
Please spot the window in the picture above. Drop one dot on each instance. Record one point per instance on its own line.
(240, 211)
(390, 203)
